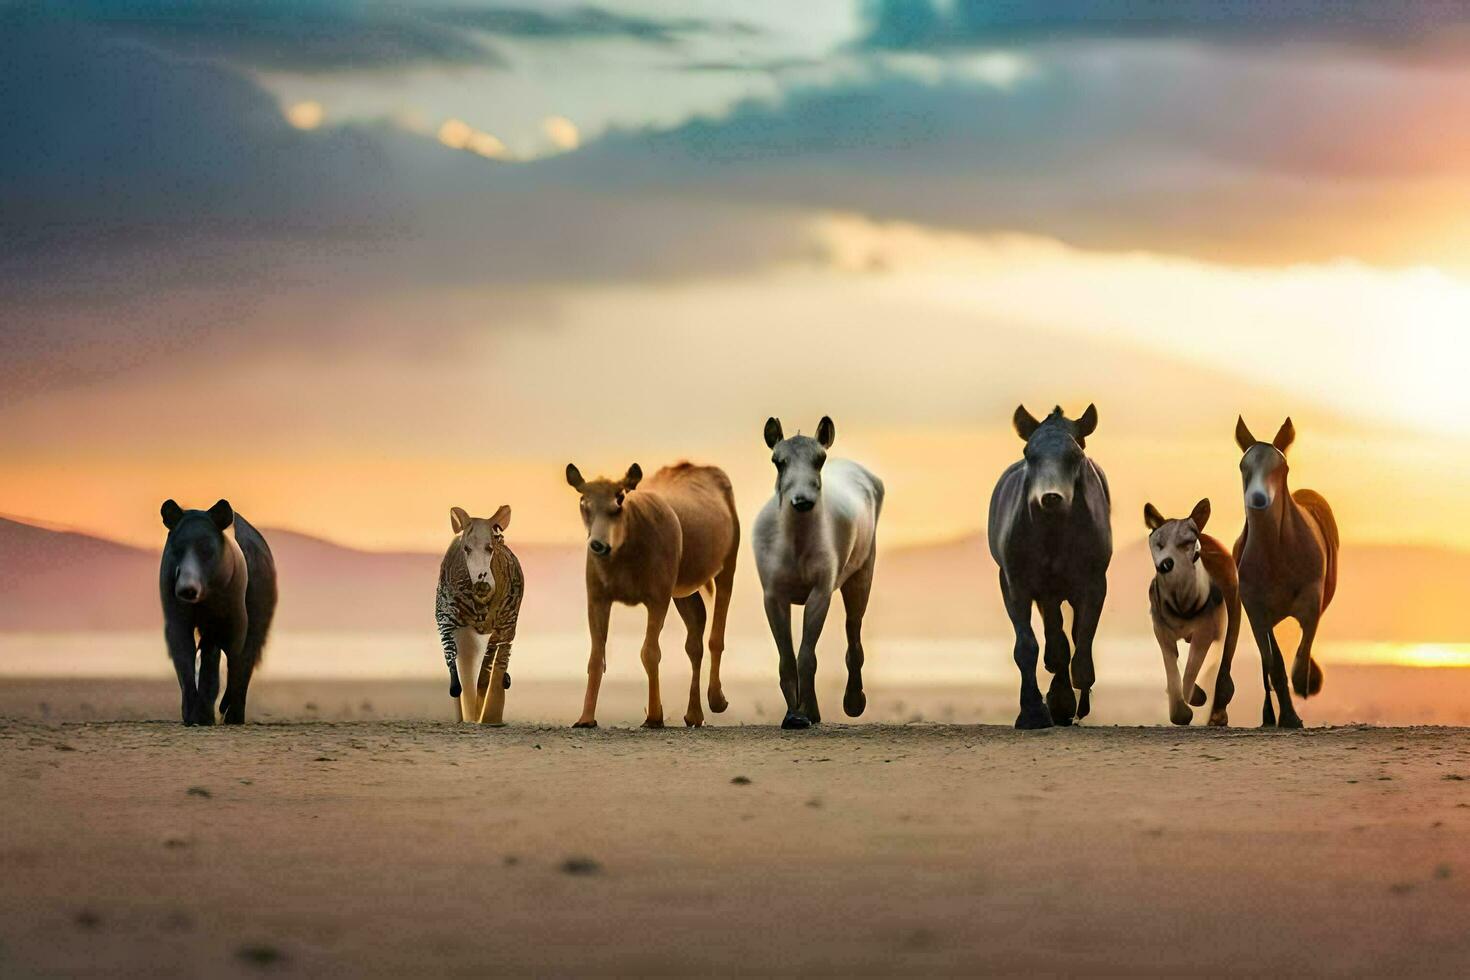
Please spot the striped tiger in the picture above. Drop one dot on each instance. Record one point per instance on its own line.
(479, 595)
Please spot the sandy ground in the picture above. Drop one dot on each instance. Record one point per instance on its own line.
(373, 847)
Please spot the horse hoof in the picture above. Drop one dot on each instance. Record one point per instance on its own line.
(1084, 706)
(1197, 697)
(1035, 717)
(1219, 719)
(855, 703)
(690, 721)
(584, 724)
(653, 723)
(1062, 708)
(1292, 722)
(717, 702)
(794, 721)
(505, 682)
(1181, 716)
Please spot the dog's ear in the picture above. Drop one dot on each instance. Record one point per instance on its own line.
(501, 520)
(773, 432)
(1024, 422)
(574, 478)
(1243, 437)
(459, 519)
(1201, 514)
(633, 478)
(826, 432)
(222, 514)
(1285, 436)
(1152, 519)
(171, 512)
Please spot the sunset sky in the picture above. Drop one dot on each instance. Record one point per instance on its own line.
(349, 264)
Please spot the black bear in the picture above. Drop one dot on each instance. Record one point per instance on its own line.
(219, 594)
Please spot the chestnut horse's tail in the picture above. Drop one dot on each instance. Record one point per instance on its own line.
(1314, 504)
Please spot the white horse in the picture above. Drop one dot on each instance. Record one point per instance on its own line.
(818, 534)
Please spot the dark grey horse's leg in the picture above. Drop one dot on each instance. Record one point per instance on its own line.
(813, 618)
(778, 614)
(855, 593)
(209, 654)
(181, 650)
(1086, 611)
(1034, 713)
(1057, 658)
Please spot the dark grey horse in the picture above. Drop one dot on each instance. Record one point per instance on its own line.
(1051, 537)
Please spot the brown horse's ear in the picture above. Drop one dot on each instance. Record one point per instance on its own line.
(222, 514)
(826, 432)
(1152, 519)
(501, 520)
(574, 478)
(1285, 436)
(1087, 424)
(635, 474)
(1201, 514)
(459, 519)
(773, 432)
(1024, 422)
(171, 513)
(1243, 437)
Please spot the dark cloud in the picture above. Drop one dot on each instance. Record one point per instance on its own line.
(1423, 25)
(343, 35)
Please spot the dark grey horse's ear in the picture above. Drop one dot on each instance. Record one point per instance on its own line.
(635, 474)
(826, 432)
(1285, 436)
(1152, 519)
(1087, 424)
(1024, 422)
(1243, 437)
(171, 513)
(773, 432)
(1201, 514)
(222, 514)
(574, 478)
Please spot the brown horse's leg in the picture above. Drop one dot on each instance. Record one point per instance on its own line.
(598, 612)
(657, 612)
(724, 581)
(1306, 675)
(1057, 659)
(778, 614)
(855, 592)
(1262, 636)
(1275, 667)
(691, 610)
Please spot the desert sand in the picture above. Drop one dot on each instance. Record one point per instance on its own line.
(371, 846)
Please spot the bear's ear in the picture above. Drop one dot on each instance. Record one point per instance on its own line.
(773, 432)
(634, 477)
(171, 513)
(501, 520)
(574, 478)
(459, 519)
(1201, 514)
(1152, 519)
(1243, 437)
(222, 514)
(1024, 422)
(826, 432)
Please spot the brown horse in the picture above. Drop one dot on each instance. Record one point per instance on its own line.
(1287, 556)
(674, 539)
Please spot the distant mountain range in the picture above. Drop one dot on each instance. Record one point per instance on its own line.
(64, 581)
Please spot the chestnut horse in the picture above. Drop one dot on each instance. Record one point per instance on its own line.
(670, 538)
(1287, 556)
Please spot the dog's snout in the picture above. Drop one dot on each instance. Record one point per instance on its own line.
(598, 547)
(1166, 566)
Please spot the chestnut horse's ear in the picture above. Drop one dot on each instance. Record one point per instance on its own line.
(1024, 422)
(574, 478)
(635, 474)
(1285, 436)
(1152, 519)
(171, 512)
(1243, 437)
(1201, 514)
(459, 519)
(826, 432)
(1087, 424)
(222, 514)
(501, 520)
(773, 432)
